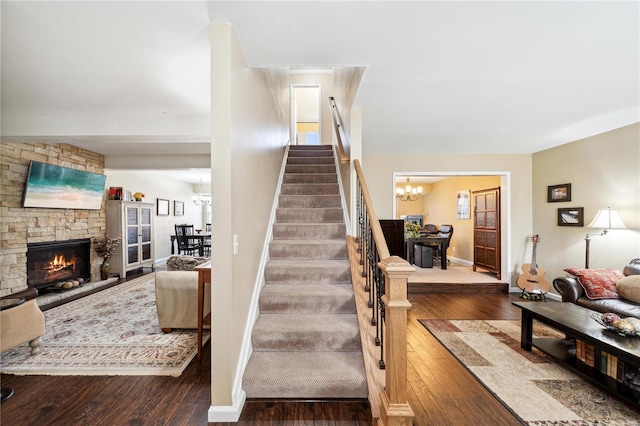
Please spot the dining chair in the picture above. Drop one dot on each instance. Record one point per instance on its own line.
(187, 244)
(207, 240)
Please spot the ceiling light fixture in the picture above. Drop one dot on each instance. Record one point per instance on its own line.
(409, 193)
(201, 198)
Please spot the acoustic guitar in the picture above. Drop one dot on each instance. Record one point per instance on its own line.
(532, 279)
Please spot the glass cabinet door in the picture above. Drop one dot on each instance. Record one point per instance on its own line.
(145, 233)
(132, 225)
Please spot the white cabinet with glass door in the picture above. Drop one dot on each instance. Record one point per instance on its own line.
(132, 220)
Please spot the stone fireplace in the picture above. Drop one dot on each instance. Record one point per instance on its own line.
(21, 226)
(54, 262)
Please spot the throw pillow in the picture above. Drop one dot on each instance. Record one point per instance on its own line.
(629, 288)
(597, 283)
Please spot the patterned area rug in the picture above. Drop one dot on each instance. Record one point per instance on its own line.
(530, 384)
(112, 332)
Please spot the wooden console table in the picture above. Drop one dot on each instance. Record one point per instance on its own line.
(576, 322)
(204, 276)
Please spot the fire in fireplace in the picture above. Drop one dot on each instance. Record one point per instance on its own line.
(56, 261)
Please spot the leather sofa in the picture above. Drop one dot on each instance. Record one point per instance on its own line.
(21, 321)
(571, 291)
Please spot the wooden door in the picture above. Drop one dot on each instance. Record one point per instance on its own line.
(486, 230)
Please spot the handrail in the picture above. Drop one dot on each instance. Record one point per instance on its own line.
(339, 130)
(385, 279)
(378, 235)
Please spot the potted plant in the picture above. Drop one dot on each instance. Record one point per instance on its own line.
(105, 248)
(411, 230)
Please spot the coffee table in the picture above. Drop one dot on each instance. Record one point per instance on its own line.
(576, 322)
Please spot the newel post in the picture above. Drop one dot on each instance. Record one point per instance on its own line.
(395, 408)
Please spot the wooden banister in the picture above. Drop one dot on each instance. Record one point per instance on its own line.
(339, 130)
(386, 281)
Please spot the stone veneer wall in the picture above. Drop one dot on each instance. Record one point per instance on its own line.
(19, 226)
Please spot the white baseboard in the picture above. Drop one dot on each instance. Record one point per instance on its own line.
(227, 413)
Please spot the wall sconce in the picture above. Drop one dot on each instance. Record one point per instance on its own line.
(606, 219)
(408, 193)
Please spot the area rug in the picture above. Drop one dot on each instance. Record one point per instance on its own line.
(112, 332)
(530, 384)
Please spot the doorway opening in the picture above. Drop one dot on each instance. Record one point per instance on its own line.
(305, 114)
(437, 202)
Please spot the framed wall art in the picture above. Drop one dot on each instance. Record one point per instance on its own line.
(162, 207)
(464, 204)
(559, 193)
(178, 208)
(571, 216)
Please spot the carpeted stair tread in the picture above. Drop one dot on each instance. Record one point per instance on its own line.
(310, 178)
(316, 298)
(309, 168)
(307, 271)
(306, 332)
(310, 160)
(309, 189)
(309, 231)
(305, 375)
(309, 201)
(308, 249)
(310, 215)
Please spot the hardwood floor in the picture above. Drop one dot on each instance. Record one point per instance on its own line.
(442, 392)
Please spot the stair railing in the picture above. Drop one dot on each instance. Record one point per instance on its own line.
(385, 280)
(339, 130)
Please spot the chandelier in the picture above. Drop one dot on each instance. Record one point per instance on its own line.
(202, 198)
(409, 193)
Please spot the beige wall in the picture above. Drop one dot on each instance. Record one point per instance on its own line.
(441, 208)
(248, 139)
(326, 88)
(515, 179)
(604, 171)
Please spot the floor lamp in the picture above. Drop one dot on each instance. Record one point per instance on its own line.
(606, 219)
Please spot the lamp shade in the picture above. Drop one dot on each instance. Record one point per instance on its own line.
(607, 219)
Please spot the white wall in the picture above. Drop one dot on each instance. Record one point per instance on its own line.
(154, 186)
(248, 139)
(604, 171)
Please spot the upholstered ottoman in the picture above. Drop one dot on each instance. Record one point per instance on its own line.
(177, 299)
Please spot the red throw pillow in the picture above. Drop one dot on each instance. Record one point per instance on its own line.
(597, 283)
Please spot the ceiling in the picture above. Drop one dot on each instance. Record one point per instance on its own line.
(441, 77)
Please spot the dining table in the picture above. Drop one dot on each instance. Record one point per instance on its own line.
(443, 245)
(200, 237)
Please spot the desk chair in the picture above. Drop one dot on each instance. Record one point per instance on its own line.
(187, 245)
(445, 231)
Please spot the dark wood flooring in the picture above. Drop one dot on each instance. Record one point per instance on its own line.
(441, 391)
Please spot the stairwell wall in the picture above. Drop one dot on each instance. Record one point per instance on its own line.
(247, 147)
